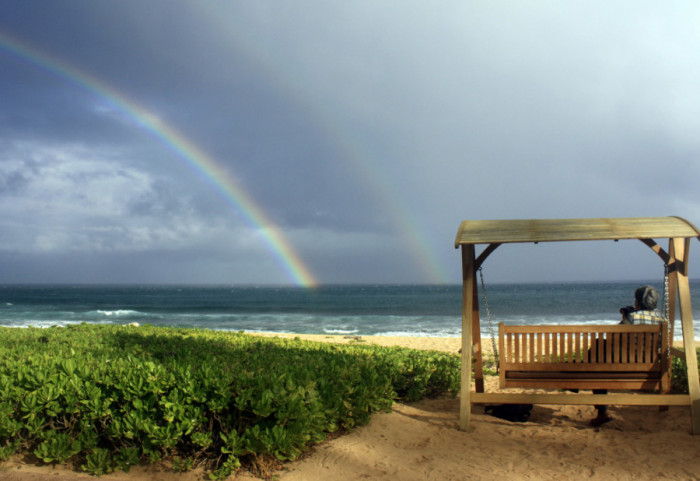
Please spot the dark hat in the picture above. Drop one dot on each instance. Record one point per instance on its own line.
(647, 297)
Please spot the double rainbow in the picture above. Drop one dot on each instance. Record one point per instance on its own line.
(184, 149)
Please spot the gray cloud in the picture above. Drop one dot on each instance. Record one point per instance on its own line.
(366, 131)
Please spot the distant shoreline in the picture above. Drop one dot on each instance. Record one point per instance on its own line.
(445, 344)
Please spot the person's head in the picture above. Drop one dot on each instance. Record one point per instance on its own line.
(646, 298)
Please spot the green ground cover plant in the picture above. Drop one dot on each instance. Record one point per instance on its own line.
(679, 374)
(108, 397)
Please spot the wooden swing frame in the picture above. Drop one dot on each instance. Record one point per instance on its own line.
(494, 233)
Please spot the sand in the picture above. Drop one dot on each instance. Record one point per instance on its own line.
(421, 442)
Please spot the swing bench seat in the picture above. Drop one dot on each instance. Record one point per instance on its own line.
(617, 357)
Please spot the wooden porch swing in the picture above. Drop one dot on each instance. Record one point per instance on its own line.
(567, 357)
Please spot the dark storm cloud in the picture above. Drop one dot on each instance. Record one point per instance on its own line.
(365, 131)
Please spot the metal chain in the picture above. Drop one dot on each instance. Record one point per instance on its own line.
(667, 309)
(666, 306)
(488, 315)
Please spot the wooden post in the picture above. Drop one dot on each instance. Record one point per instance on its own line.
(680, 272)
(671, 297)
(468, 281)
(672, 291)
(477, 353)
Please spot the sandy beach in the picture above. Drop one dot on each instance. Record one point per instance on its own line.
(421, 441)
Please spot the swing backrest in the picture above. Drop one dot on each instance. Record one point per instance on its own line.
(584, 356)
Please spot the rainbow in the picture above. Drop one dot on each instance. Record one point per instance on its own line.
(184, 149)
(355, 149)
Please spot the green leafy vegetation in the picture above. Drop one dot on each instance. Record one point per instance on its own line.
(109, 397)
(679, 374)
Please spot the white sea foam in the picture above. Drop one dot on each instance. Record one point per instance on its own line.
(341, 331)
(438, 333)
(119, 313)
(42, 324)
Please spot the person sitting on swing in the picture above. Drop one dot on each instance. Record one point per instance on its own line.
(643, 312)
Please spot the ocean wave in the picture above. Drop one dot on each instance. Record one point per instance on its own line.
(262, 331)
(44, 324)
(121, 313)
(436, 333)
(340, 331)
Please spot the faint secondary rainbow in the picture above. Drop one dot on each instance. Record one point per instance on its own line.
(183, 148)
(359, 155)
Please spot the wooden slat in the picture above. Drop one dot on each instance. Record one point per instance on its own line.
(577, 347)
(640, 348)
(509, 351)
(504, 355)
(603, 350)
(562, 346)
(648, 348)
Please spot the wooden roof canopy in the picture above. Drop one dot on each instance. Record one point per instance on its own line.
(494, 233)
(559, 230)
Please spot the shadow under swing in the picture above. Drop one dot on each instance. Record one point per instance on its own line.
(616, 357)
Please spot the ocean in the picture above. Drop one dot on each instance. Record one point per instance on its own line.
(364, 310)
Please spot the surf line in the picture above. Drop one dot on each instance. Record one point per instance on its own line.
(183, 148)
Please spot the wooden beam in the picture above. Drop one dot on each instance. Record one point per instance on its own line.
(657, 248)
(672, 290)
(681, 249)
(476, 341)
(468, 281)
(484, 255)
(582, 399)
(559, 230)
(669, 303)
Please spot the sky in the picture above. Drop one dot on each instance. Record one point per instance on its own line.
(313, 142)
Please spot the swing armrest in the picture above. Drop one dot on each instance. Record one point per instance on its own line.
(675, 352)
